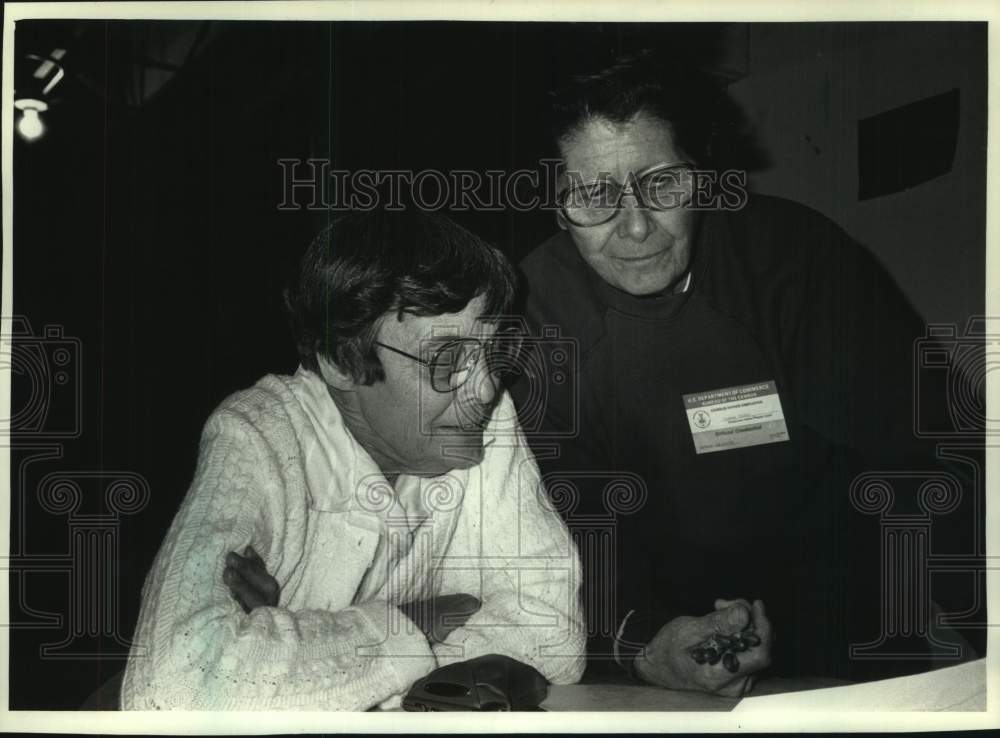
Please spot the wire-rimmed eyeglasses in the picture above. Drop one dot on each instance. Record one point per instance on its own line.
(454, 362)
(659, 187)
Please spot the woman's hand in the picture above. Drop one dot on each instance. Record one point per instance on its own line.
(252, 586)
(437, 617)
(248, 580)
(668, 662)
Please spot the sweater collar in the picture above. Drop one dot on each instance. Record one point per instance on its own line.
(344, 477)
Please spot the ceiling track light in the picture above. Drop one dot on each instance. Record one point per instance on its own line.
(49, 68)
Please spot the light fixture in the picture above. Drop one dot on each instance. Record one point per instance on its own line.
(30, 125)
(36, 77)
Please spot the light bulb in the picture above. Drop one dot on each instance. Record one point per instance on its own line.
(30, 126)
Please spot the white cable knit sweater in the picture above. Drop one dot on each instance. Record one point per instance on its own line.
(277, 469)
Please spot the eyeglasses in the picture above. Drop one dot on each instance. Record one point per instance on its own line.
(454, 362)
(659, 187)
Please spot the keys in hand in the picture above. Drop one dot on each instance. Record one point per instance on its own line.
(668, 660)
(720, 646)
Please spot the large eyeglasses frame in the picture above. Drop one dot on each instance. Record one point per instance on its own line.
(637, 185)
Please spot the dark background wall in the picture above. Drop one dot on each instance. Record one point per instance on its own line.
(808, 88)
(147, 231)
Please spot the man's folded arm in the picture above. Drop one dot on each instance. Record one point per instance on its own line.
(195, 646)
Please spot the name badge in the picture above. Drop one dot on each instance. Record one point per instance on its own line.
(734, 417)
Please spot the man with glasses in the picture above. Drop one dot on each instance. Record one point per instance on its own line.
(376, 515)
(739, 362)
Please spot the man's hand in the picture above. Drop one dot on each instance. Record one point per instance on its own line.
(667, 661)
(439, 616)
(248, 580)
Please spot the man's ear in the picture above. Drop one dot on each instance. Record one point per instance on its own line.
(333, 375)
(561, 220)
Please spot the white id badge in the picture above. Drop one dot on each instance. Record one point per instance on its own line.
(734, 417)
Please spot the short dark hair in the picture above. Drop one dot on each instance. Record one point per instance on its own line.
(366, 264)
(683, 97)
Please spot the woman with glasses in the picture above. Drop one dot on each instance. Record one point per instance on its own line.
(374, 516)
(740, 362)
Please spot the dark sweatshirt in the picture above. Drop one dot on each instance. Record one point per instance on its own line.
(778, 294)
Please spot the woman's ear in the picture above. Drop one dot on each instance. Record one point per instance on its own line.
(562, 183)
(333, 375)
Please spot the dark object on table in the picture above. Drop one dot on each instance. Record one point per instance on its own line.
(490, 682)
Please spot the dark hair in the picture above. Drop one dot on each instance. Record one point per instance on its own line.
(366, 264)
(683, 97)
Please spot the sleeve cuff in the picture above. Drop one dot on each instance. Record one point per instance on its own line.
(401, 643)
(636, 630)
